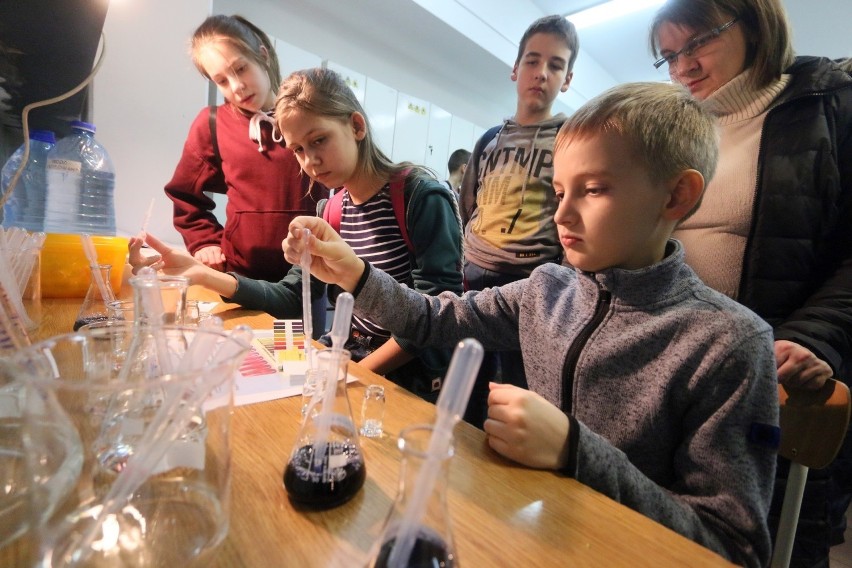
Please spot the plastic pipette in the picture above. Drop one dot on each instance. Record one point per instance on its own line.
(339, 333)
(307, 319)
(452, 401)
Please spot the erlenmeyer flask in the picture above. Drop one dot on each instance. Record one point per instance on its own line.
(323, 475)
(434, 538)
(94, 307)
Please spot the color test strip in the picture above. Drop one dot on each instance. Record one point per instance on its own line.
(288, 337)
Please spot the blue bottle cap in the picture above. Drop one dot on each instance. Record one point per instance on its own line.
(43, 136)
(83, 125)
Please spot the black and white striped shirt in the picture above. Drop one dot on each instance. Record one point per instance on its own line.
(373, 233)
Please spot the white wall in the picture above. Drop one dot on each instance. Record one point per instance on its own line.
(147, 93)
(345, 32)
(145, 96)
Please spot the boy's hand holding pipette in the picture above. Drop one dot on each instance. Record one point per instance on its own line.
(526, 428)
(332, 260)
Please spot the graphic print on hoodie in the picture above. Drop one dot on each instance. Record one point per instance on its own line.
(511, 229)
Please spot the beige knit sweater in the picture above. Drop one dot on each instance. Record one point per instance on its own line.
(715, 236)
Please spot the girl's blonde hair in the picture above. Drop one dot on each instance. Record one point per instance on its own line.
(323, 92)
(244, 36)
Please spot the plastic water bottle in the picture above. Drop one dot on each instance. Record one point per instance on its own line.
(24, 207)
(80, 185)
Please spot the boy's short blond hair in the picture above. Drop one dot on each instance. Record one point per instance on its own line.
(668, 128)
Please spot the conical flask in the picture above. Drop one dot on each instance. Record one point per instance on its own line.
(326, 466)
(99, 294)
(433, 545)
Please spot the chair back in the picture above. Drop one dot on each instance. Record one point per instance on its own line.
(813, 425)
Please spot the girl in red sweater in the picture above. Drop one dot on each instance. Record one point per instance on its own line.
(236, 150)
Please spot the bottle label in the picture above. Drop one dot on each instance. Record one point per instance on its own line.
(65, 165)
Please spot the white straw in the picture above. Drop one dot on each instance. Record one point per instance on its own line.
(307, 316)
(92, 256)
(455, 393)
(12, 291)
(147, 216)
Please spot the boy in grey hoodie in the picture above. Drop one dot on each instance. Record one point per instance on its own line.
(506, 199)
(646, 384)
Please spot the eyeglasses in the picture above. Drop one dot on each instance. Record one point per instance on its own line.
(694, 45)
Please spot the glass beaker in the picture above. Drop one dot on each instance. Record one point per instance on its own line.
(331, 475)
(122, 310)
(94, 307)
(172, 291)
(153, 484)
(60, 465)
(434, 538)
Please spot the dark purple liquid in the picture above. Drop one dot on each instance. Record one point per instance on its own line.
(89, 319)
(322, 487)
(427, 552)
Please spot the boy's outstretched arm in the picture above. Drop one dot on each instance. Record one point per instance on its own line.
(332, 260)
(526, 428)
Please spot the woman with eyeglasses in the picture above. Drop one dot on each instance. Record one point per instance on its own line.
(774, 230)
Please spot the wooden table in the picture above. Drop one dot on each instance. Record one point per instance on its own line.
(503, 514)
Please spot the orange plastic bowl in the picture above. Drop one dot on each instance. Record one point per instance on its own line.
(65, 270)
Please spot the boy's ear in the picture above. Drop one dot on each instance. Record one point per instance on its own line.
(514, 75)
(359, 125)
(567, 82)
(686, 189)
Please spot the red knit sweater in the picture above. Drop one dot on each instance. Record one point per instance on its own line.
(265, 192)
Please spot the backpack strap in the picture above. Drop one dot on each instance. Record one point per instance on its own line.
(333, 210)
(397, 195)
(211, 121)
(480, 145)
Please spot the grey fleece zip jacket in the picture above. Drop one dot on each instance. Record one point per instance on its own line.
(669, 386)
(508, 211)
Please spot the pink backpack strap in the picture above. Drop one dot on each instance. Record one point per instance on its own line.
(334, 210)
(334, 207)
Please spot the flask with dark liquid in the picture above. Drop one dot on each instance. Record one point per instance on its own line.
(326, 467)
(94, 307)
(433, 544)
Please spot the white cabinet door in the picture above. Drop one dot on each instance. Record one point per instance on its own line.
(380, 105)
(292, 58)
(356, 81)
(461, 135)
(412, 125)
(438, 141)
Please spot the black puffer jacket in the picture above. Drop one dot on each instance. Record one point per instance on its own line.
(797, 271)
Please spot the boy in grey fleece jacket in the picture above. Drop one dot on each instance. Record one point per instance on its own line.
(645, 384)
